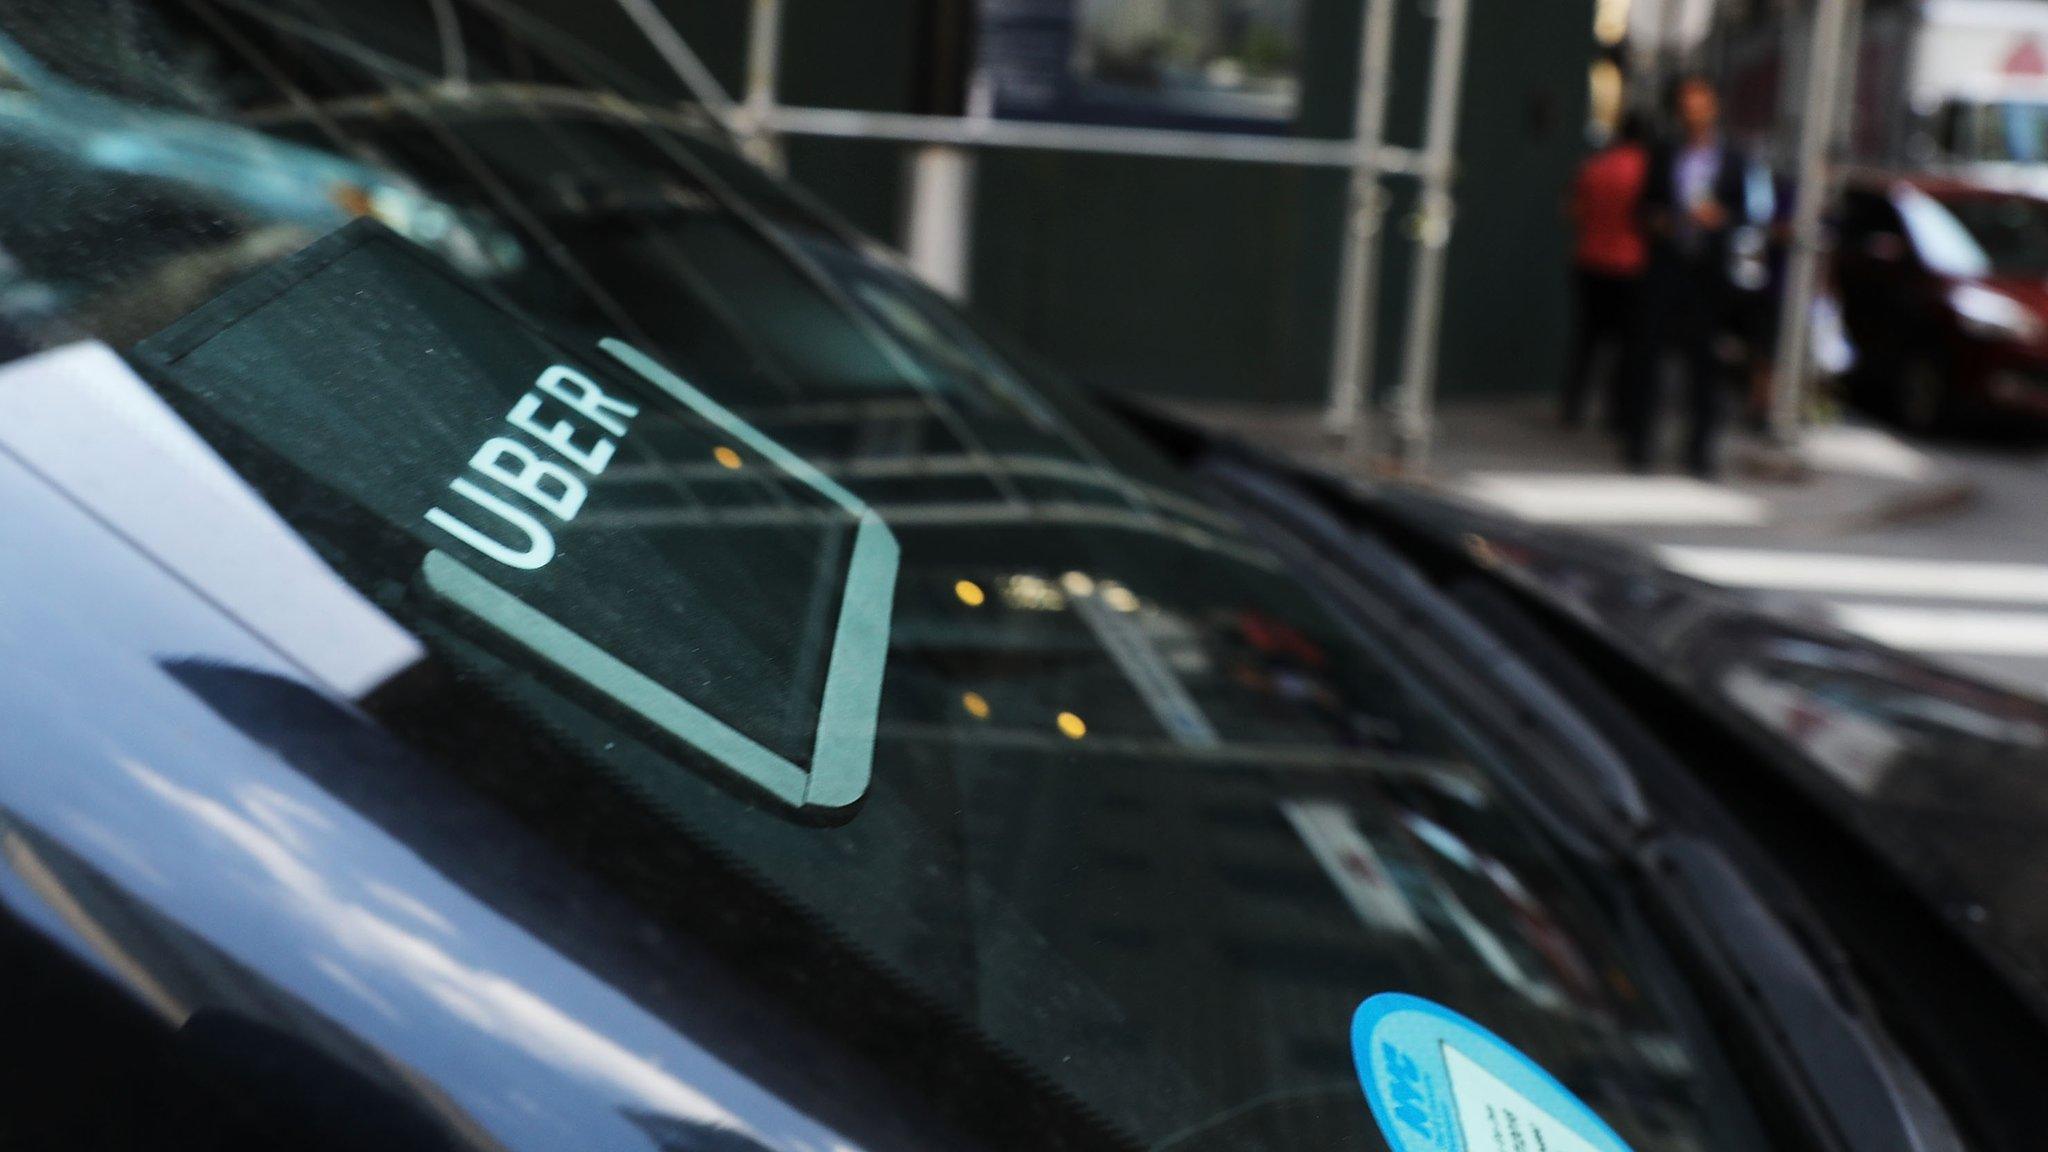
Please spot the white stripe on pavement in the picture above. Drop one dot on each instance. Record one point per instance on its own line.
(1952, 630)
(1863, 451)
(1567, 498)
(1839, 574)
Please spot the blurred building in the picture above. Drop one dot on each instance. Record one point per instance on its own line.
(1959, 85)
(1189, 279)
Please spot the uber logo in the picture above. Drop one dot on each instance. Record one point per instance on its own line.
(544, 482)
(551, 483)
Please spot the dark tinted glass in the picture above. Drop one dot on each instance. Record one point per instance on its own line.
(2011, 230)
(1145, 820)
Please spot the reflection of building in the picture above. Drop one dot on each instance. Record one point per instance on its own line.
(251, 1063)
(1184, 50)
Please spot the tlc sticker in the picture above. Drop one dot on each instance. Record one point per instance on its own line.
(1437, 1082)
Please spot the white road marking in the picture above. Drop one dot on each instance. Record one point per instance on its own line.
(1952, 630)
(1590, 498)
(1863, 452)
(1846, 575)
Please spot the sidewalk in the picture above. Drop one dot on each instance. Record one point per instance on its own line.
(1513, 454)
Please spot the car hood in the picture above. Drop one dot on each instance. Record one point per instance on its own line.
(1939, 773)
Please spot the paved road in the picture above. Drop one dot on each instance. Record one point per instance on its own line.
(1968, 587)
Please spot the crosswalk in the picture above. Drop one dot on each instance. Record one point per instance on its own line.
(1990, 618)
(1962, 589)
(1596, 500)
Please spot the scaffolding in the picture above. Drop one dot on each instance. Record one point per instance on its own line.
(937, 233)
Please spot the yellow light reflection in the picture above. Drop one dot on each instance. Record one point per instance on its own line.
(1120, 598)
(1606, 93)
(1078, 584)
(727, 458)
(1071, 726)
(1032, 594)
(969, 593)
(1610, 21)
(975, 704)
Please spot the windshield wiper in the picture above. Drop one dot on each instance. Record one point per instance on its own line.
(1857, 1085)
(1851, 1087)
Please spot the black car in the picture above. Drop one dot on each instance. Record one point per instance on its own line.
(672, 682)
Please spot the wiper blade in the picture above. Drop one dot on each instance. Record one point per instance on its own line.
(1858, 1087)
(1830, 1054)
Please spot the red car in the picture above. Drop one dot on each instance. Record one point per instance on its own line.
(1944, 293)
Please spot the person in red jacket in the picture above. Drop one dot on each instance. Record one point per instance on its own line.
(1609, 260)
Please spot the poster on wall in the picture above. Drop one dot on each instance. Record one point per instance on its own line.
(1226, 65)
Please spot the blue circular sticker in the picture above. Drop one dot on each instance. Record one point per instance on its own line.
(1437, 1082)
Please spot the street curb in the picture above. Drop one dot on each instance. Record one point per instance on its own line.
(1935, 498)
(1941, 494)
(1917, 502)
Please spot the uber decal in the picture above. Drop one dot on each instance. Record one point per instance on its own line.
(549, 484)
(655, 565)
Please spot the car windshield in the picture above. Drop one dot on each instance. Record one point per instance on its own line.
(1978, 233)
(1999, 131)
(672, 516)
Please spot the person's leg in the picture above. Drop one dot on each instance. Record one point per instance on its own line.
(1633, 354)
(1642, 407)
(1760, 343)
(1762, 386)
(1703, 392)
(1586, 326)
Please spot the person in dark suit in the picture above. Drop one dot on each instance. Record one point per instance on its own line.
(1691, 204)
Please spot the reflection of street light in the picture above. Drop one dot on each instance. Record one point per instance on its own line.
(1120, 598)
(1078, 584)
(969, 593)
(1071, 726)
(1610, 21)
(975, 704)
(1032, 594)
(727, 458)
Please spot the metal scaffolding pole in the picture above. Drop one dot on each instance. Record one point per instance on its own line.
(675, 52)
(1413, 419)
(937, 235)
(938, 225)
(764, 64)
(1819, 125)
(1164, 143)
(1351, 357)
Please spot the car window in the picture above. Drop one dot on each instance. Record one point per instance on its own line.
(2000, 131)
(2023, 132)
(2010, 232)
(725, 539)
(1940, 236)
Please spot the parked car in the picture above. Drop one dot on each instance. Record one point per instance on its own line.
(693, 688)
(1944, 293)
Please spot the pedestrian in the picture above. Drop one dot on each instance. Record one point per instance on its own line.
(1695, 186)
(1608, 262)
